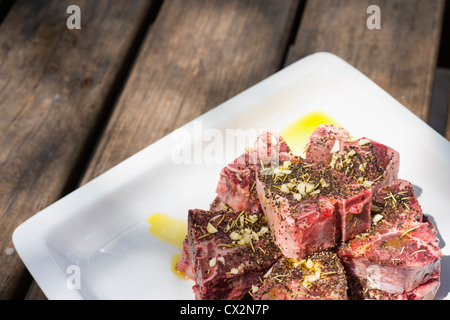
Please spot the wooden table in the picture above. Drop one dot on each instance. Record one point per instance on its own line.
(76, 102)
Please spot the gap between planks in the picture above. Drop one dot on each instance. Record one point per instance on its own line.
(111, 98)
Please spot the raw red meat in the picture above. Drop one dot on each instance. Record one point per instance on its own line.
(360, 289)
(400, 251)
(236, 186)
(228, 252)
(310, 206)
(366, 161)
(318, 277)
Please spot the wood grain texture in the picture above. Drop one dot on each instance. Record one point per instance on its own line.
(52, 90)
(197, 55)
(400, 57)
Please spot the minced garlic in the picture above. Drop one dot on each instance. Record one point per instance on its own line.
(287, 164)
(305, 187)
(233, 271)
(235, 236)
(311, 278)
(377, 218)
(363, 142)
(351, 153)
(336, 147)
(262, 231)
(334, 158)
(284, 188)
(210, 228)
(223, 206)
(252, 218)
(309, 264)
(368, 183)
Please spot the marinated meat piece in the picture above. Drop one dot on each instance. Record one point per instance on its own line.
(318, 277)
(403, 190)
(229, 252)
(186, 262)
(368, 162)
(310, 206)
(236, 186)
(322, 140)
(361, 289)
(400, 251)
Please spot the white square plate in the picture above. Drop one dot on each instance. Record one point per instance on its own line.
(100, 233)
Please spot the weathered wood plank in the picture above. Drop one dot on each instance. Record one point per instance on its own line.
(400, 57)
(53, 87)
(197, 55)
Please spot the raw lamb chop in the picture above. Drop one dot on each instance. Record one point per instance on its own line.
(360, 289)
(366, 161)
(236, 186)
(228, 251)
(318, 277)
(310, 206)
(400, 251)
(186, 262)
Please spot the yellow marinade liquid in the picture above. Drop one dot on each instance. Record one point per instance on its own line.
(297, 133)
(173, 266)
(171, 231)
